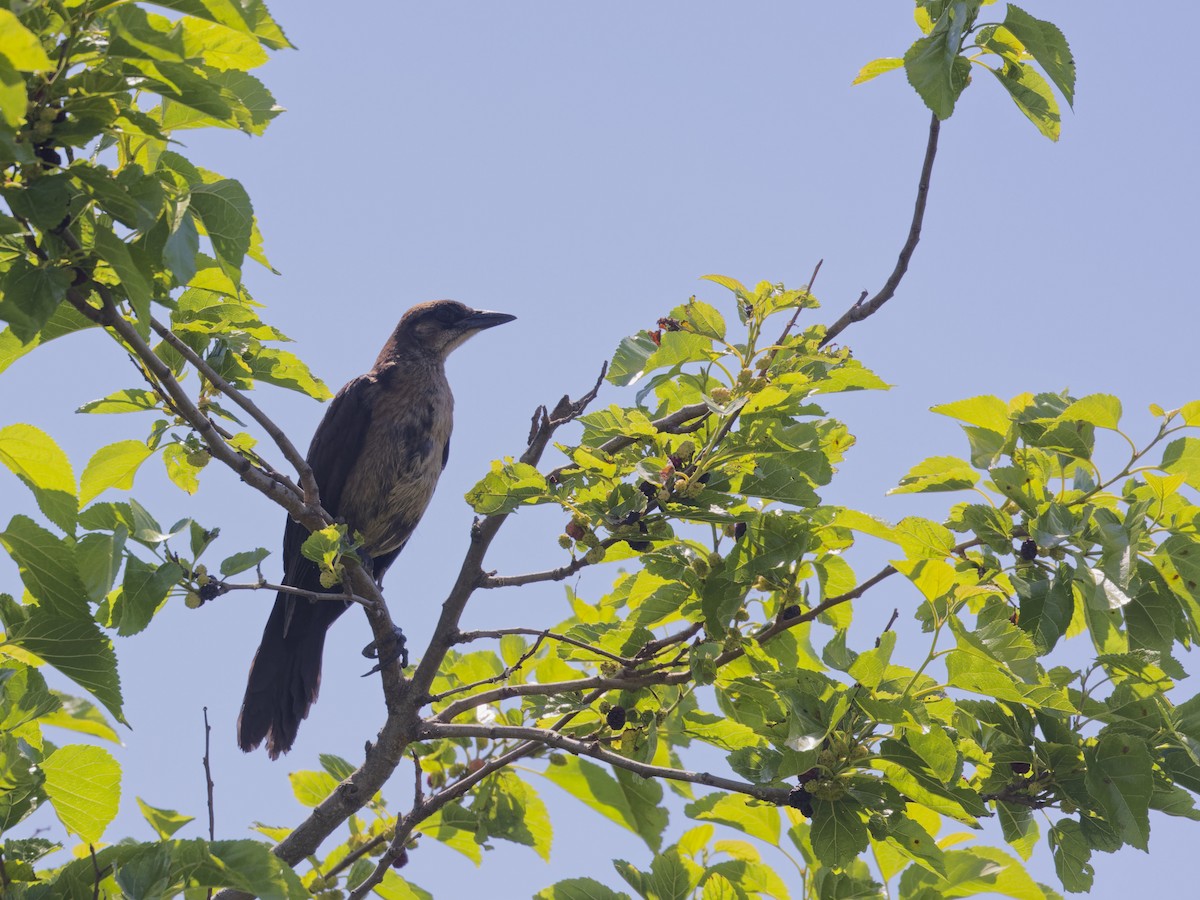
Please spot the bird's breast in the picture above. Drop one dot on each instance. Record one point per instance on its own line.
(400, 462)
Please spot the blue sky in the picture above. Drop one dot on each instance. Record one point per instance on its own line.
(580, 166)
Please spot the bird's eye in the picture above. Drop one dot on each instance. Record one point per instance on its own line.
(448, 315)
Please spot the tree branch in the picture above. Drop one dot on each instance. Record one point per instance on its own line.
(224, 587)
(467, 637)
(598, 751)
(308, 484)
(864, 308)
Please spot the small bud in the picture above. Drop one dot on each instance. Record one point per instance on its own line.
(742, 615)
(329, 579)
(564, 541)
(721, 395)
(192, 600)
(663, 495)
(198, 459)
(595, 555)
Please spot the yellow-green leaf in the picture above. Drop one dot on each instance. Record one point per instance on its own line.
(112, 466)
(84, 787)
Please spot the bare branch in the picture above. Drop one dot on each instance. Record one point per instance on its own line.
(225, 587)
(861, 309)
(561, 573)
(597, 750)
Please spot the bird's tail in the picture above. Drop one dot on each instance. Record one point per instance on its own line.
(285, 676)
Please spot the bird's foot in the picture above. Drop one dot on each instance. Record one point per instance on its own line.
(390, 649)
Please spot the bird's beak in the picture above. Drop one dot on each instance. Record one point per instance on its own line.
(482, 318)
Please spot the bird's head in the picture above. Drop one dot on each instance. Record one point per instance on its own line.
(437, 327)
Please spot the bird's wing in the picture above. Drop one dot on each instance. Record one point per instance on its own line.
(332, 455)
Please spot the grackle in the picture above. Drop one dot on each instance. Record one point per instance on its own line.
(376, 457)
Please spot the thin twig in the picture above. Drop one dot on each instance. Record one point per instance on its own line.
(418, 814)
(601, 683)
(467, 637)
(208, 781)
(308, 483)
(864, 307)
(596, 750)
(491, 581)
(795, 316)
(225, 587)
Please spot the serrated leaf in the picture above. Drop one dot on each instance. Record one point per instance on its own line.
(838, 832)
(1120, 778)
(985, 411)
(29, 296)
(224, 209)
(240, 562)
(579, 889)
(1032, 95)
(112, 466)
(73, 644)
(738, 812)
(124, 401)
(937, 473)
(42, 466)
(115, 252)
(48, 567)
(1046, 43)
(84, 787)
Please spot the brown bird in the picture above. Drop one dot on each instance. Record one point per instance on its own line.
(376, 457)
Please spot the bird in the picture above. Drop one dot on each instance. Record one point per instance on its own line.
(376, 456)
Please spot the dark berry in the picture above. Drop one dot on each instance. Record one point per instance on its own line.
(739, 531)
(799, 798)
(616, 718)
(790, 612)
(639, 546)
(209, 591)
(574, 530)
(400, 861)
(1029, 549)
(1020, 768)
(649, 488)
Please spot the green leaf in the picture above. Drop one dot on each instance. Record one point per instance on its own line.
(130, 196)
(248, 16)
(506, 487)
(125, 401)
(1047, 45)
(115, 252)
(1182, 456)
(1032, 95)
(240, 562)
(1019, 826)
(29, 295)
(65, 320)
(13, 100)
(245, 865)
(509, 808)
(1072, 852)
(224, 209)
(937, 473)
(935, 70)
(77, 714)
(21, 46)
(311, 788)
(42, 466)
(914, 842)
(877, 67)
(73, 644)
(738, 812)
(84, 786)
(703, 319)
(144, 589)
(985, 411)
(1102, 410)
(970, 672)
(579, 889)
(112, 466)
(24, 697)
(630, 801)
(48, 567)
(838, 832)
(165, 822)
(285, 369)
(1119, 777)
(180, 470)
(98, 557)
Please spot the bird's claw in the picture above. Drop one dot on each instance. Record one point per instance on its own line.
(387, 651)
